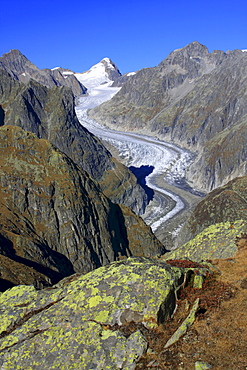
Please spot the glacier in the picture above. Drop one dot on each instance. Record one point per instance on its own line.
(168, 161)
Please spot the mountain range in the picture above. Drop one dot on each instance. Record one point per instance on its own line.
(194, 99)
(49, 112)
(184, 100)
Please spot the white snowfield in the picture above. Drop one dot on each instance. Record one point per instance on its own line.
(136, 150)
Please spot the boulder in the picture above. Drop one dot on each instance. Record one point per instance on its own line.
(77, 323)
(216, 241)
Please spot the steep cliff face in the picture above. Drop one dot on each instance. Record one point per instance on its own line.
(23, 70)
(54, 217)
(111, 69)
(197, 100)
(50, 114)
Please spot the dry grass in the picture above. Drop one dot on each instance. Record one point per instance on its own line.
(219, 334)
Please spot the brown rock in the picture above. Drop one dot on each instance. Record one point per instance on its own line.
(53, 216)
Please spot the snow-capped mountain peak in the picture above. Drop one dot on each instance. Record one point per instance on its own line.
(104, 72)
(108, 62)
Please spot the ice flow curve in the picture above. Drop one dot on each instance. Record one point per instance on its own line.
(140, 150)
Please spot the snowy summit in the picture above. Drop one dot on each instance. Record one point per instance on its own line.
(98, 74)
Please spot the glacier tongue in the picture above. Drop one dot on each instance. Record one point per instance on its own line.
(96, 96)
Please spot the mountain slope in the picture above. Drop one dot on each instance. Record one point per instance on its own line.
(53, 216)
(224, 204)
(195, 99)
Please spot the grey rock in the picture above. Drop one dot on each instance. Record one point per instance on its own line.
(74, 324)
(111, 69)
(224, 204)
(23, 70)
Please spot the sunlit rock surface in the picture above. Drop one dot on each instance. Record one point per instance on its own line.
(23, 70)
(72, 325)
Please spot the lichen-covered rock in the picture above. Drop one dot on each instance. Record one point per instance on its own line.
(225, 204)
(216, 241)
(71, 326)
(200, 365)
(186, 324)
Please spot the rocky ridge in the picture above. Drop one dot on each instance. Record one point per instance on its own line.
(20, 68)
(195, 99)
(50, 114)
(83, 321)
(215, 224)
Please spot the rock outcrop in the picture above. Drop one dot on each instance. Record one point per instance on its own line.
(50, 114)
(216, 241)
(22, 69)
(195, 99)
(215, 224)
(77, 323)
(225, 204)
(54, 218)
(111, 69)
(118, 316)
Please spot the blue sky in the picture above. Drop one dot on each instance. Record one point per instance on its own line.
(135, 34)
